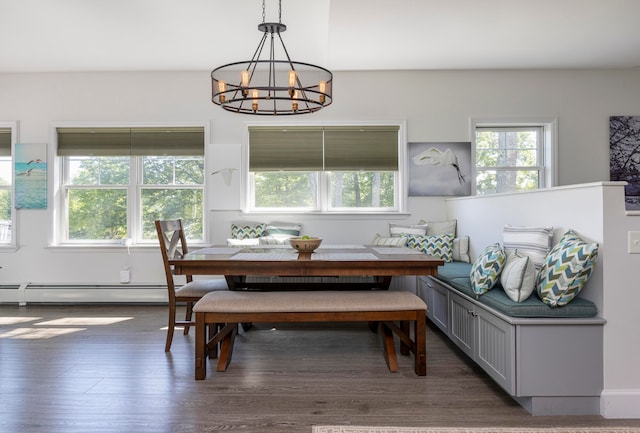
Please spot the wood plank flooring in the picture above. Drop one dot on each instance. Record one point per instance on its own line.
(103, 369)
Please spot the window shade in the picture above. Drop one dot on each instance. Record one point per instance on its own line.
(366, 148)
(292, 149)
(349, 148)
(130, 141)
(5, 142)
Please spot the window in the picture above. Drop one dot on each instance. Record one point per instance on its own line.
(512, 157)
(117, 181)
(6, 187)
(324, 169)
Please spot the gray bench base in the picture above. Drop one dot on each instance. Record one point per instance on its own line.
(225, 310)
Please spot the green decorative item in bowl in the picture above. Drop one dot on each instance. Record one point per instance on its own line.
(305, 244)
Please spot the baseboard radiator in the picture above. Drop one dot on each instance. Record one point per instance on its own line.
(82, 293)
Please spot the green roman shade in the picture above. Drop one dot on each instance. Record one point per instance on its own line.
(348, 148)
(182, 141)
(291, 149)
(5, 142)
(368, 148)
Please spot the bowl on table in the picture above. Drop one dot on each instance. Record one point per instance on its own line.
(305, 245)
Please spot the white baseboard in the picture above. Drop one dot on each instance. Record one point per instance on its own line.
(620, 403)
(26, 294)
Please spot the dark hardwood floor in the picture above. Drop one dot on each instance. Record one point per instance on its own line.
(102, 368)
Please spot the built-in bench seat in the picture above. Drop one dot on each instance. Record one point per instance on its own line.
(548, 359)
(456, 274)
(231, 308)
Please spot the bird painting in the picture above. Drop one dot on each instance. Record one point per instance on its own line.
(25, 173)
(37, 160)
(433, 156)
(226, 174)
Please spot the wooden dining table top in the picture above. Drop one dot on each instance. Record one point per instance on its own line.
(327, 260)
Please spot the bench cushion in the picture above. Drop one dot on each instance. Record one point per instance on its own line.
(310, 301)
(456, 275)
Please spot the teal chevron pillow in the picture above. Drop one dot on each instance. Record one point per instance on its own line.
(485, 271)
(248, 231)
(566, 270)
(440, 246)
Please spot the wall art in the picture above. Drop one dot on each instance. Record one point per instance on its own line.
(31, 176)
(442, 169)
(624, 157)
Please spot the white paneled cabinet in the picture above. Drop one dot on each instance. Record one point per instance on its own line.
(551, 366)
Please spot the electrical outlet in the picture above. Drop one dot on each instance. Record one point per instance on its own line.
(125, 275)
(634, 242)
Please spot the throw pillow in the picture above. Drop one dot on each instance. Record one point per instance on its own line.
(397, 230)
(534, 242)
(437, 246)
(566, 270)
(248, 242)
(389, 242)
(291, 229)
(440, 227)
(274, 240)
(518, 277)
(485, 271)
(247, 231)
(460, 250)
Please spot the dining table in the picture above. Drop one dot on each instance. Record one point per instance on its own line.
(288, 269)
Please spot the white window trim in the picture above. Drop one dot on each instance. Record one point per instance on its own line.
(56, 182)
(12, 246)
(549, 127)
(401, 179)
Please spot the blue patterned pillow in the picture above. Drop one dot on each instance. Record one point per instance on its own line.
(440, 246)
(248, 231)
(566, 270)
(485, 271)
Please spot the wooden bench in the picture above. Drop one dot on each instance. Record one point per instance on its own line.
(225, 310)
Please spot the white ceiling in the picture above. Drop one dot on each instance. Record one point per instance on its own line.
(342, 35)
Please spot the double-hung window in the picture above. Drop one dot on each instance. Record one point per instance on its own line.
(323, 169)
(6, 187)
(117, 181)
(512, 157)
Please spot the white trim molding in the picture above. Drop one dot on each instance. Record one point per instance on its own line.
(620, 403)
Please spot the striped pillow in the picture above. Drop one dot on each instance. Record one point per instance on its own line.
(389, 242)
(534, 242)
(397, 230)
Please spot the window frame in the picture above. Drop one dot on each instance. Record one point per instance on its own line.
(12, 244)
(547, 152)
(323, 184)
(58, 236)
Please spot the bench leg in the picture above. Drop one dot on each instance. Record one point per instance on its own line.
(405, 349)
(420, 335)
(201, 343)
(389, 349)
(226, 348)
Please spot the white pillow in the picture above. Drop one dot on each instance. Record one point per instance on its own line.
(518, 277)
(535, 242)
(389, 242)
(249, 242)
(440, 227)
(460, 250)
(396, 230)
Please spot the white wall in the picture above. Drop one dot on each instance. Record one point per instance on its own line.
(436, 105)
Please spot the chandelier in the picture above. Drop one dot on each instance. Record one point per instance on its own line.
(271, 86)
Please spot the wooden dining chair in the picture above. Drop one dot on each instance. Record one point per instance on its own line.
(173, 244)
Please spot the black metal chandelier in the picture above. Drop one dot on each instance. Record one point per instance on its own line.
(271, 86)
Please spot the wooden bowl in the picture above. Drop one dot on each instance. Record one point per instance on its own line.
(305, 245)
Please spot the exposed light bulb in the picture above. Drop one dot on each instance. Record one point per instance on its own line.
(322, 87)
(222, 87)
(255, 94)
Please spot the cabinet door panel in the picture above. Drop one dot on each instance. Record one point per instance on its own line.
(462, 328)
(496, 346)
(437, 303)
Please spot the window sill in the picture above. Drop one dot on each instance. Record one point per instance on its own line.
(334, 215)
